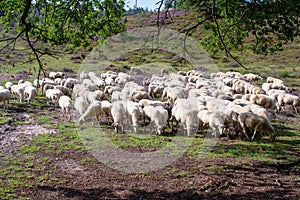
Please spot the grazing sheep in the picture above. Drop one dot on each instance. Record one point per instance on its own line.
(8, 85)
(274, 80)
(138, 95)
(106, 108)
(164, 71)
(54, 75)
(81, 105)
(30, 93)
(189, 120)
(118, 112)
(288, 99)
(70, 82)
(94, 110)
(264, 101)
(136, 70)
(148, 102)
(19, 90)
(66, 91)
(134, 113)
(217, 122)
(83, 75)
(256, 122)
(53, 95)
(158, 116)
(65, 104)
(46, 87)
(102, 96)
(252, 77)
(4, 96)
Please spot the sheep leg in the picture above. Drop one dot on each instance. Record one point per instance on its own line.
(295, 109)
(244, 131)
(254, 133)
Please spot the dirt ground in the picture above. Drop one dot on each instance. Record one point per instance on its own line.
(186, 178)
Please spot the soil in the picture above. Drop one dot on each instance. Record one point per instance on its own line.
(186, 178)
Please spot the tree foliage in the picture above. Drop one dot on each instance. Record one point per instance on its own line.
(59, 22)
(269, 23)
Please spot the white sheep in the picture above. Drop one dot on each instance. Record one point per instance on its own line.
(19, 90)
(134, 113)
(118, 112)
(148, 102)
(8, 85)
(66, 91)
(53, 95)
(94, 110)
(288, 99)
(256, 122)
(158, 116)
(136, 70)
(4, 96)
(215, 120)
(264, 101)
(81, 105)
(83, 75)
(30, 93)
(274, 80)
(106, 108)
(65, 104)
(252, 77)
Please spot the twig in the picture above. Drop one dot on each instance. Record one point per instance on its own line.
(221, 38)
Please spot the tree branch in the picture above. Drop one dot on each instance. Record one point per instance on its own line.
(221, 38)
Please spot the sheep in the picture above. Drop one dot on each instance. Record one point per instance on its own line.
(90, 96)
(4, 96)
(8, 85)
(256, 122)
(147, 102)
(70, 82)
(252, 77)
(215, 120)
(94, 110)
(45, 87)
(158, 116)
(55, 75)
(267, 86)
(274, 80)
(138, 95)
(65, 104)
(18, 90)
(288, 99)
(164, 71)
(134, 113)
(66, 91)
(110, 89)
(37, 83)
(191, 121)
(106, 108)
(102, 96)
(81, 105)
(136, 70)
(30, 92)
(264, 101)
(83, 75)
(53, 95)
(185, 111)
(118, 112)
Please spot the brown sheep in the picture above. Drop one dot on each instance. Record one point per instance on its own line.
(256, 122)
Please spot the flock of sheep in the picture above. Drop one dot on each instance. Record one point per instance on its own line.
(228, 103)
